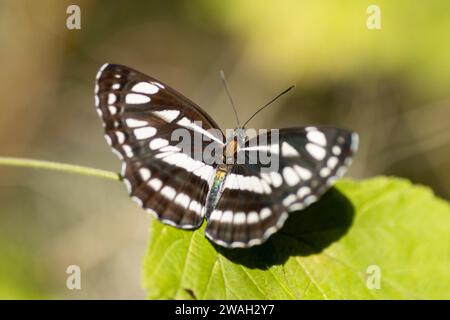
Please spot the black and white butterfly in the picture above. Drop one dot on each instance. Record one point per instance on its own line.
(243, 204)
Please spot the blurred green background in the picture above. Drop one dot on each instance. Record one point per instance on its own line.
(390, 85)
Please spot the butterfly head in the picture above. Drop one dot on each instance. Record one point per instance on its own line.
(240, 136)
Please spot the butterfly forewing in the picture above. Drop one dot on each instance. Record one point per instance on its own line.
(140, 115)
(255, 202)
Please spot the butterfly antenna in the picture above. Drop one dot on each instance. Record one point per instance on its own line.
(222, 75)
(268, 104)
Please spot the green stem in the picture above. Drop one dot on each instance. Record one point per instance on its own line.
(56, 166)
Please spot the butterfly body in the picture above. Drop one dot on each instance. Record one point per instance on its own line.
(229, 156)
(243, 201)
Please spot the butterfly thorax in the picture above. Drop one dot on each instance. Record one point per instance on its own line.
(230, 150)
(234, 142)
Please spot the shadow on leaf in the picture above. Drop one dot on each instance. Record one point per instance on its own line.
(305, 232)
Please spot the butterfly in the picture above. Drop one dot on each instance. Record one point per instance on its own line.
(243, 203)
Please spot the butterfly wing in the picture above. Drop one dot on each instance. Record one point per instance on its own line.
(255, 203)
(140, 116)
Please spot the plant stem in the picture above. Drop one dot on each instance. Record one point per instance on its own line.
(56, 166)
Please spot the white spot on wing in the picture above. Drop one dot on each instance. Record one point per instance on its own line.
(325, 172)
(310, 199)
(331, 180)
(134, 98)
(254, 242)
(158, 143)
(111, 98)
(204, 172)
(252, 217)
(317, 137)
(257, 184)
(296, 206)
(134, 123)
(303, 192)
(127, 185)
(266, 186)
(183, 200)
(120, 136)
(170, 149)
(282, 219)
(128, 151)
(239, 218)
(249, 183)
(336, 150)
(145, 87)
(155, 183)
(276, 178)
(332, 162)
(158, 84)
(185, 122)
(145, 174)
(100, 71)
(108, 139)
(289, 200)
(215, 215)
(113, 110)
(355, 142)
(167, 115)
(195, 206)
(169, 222)
(227, 217)
(229, 181)
(265, 213)
(168, 192)
(152, 212)
(272, 148)
(288, 151)
(266, 177)
(117, 153)
(304, 173)
(290, 176)
(144, 133)
(315, 151)
(137, 200)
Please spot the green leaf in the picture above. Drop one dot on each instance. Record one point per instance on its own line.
(21, 277)
(323, 252)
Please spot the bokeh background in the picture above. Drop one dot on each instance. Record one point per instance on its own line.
(390, 85)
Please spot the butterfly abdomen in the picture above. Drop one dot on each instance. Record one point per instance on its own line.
(229, 154)
(216, 189)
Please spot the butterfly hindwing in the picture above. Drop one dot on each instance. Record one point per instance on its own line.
(255, 203)
(139, 115)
